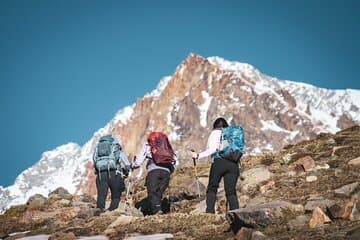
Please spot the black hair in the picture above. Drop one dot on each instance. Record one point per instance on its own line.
(220, 123)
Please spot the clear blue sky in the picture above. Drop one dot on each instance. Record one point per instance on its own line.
(66, 67)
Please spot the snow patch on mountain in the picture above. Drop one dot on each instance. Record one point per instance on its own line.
(173, 136)
(160, 87)
(271, 125)
(124, 114)
(245, 68)
(354, 95)
(204, 108)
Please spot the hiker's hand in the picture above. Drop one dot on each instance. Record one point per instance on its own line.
(126, 170)
(132, 167)
(194, 155)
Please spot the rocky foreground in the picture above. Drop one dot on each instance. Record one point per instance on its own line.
(310, 190)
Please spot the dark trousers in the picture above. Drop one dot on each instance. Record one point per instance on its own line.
(230, 171)
(104, 181)
(156, 183)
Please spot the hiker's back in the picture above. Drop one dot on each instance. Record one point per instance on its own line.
(161, 149)
(106, 154)
(232, 143)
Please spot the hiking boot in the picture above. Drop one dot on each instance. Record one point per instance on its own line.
(98, 211)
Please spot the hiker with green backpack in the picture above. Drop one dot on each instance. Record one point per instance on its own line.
(225, 146)
(110, 165)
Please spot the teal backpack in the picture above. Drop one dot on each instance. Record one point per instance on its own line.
(232, 142)
(107, 153)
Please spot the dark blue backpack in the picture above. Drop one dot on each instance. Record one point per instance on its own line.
(232, 143)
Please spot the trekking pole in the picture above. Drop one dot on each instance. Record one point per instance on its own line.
(129, 185)
(196, 175)
(169, 197)
(128, 189)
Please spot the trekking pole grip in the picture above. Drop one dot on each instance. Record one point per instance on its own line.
(194, 159)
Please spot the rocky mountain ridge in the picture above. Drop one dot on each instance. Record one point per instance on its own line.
(273, 113)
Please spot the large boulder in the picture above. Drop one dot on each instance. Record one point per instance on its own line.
(36, 202)
(259, 216)
(346, 190)
(318, 201)
(254, 176)
(60, 193)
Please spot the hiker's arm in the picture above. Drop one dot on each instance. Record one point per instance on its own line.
(117, 152)
(141, 156)
(94, 161)
(212, 145)
(124, 159)
(124, 162)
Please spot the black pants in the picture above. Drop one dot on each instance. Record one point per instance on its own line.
(156, 183)
(230, 171)
(104, 181)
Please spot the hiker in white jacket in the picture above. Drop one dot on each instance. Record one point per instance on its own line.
(220, 167)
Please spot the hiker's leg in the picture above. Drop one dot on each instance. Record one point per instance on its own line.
(153, 189)
(164, 179)
(116, 187)
(102, 189)
(230, 180)
(214, 179)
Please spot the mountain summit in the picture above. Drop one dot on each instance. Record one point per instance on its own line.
(273, 113)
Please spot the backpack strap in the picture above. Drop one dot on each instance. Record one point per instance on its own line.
(221, 141)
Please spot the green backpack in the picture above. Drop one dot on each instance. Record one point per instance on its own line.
(107, 153)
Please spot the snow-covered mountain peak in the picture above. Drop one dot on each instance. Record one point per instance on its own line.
(233, 66)
(56, 168)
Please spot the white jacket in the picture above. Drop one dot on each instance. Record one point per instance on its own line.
(213, 144)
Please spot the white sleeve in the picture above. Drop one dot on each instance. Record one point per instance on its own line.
(141, 156)
(212, 145)
(124, 159)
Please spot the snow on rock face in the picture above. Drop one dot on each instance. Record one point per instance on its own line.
(124, 115)
(204, 108)
(56, 168)
(325, 107)
(160, 87)
(245, 68)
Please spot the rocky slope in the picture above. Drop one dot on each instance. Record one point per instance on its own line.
(310, 190)
(273, 113)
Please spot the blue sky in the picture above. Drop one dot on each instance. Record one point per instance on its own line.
(66, 67)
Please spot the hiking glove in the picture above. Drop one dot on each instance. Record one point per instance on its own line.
(126, 170)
